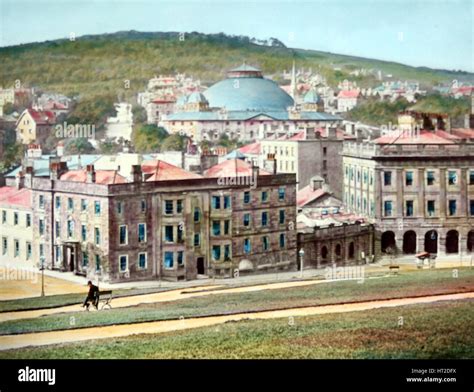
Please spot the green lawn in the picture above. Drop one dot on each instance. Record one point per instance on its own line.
(54, 301)
(414, 283)
(441, 331)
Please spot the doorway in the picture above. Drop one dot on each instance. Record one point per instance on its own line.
(200, 266)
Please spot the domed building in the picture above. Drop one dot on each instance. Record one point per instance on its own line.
(244, 106)
(312, 102)
(245, 89)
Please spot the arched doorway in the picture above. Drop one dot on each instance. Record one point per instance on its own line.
(470, 241)
(431, 241)
(351, 250)
(409, 242)
(452, 241)
(324, 253)
(338, 251)
(388, 241)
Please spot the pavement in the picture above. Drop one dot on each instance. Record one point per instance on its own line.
(115, 331)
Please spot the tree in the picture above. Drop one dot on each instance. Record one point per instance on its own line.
(148, 137)
(139, 114)
(174, 142)
(110, 146)
(79, 146)
(11, 156)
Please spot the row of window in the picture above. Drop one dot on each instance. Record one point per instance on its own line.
(265, 243)
(16, 248)
(16, 218)
(71, 230)
(141, 261)
(430, 207)
(84, 204)
(264, 218)
(430, 178)
(452, 177)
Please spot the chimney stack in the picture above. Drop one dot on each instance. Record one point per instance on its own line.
(34, 151)
(60, 149)
(310, 134)
(332, 134)
(20, 180)
(255, 170)
(90, 171)
(29, 173)
(136, 173)
(316, 183)
(57, 169)
(271, 163)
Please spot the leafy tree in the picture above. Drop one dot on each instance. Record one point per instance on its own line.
(174, 142)
(148, 137)
(139, 114)
(12, 156)
(79, 146)
(110, 146)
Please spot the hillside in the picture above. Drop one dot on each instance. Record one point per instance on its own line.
(98, 65)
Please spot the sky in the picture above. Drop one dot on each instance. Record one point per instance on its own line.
(433, 33)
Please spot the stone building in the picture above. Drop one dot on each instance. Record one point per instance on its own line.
(335, 238)
(308, 153)
(418, 189)
(165, 223)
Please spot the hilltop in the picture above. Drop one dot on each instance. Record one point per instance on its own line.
(99, 64)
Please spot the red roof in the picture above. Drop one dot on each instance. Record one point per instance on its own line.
(463, 133)
(11, 196)
(162, 171)
(105, 177)
(348, 94)
(232, 168)
(424, 137)
(307, 195)
(299, 136)
(252, 148)
(42, 117)
(165, 99)
(53, 105)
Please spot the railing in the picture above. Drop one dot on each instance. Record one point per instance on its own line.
(374, 150)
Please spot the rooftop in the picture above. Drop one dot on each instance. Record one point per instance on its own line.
(13, 197)
(105, 177)
(232, 168)
(251, 149)
(162, 171)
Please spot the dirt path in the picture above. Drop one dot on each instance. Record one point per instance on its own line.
(171, 295)
(115, 331)
(30, 285)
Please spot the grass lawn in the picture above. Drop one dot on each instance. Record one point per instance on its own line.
(54, 301)
(416, 283)
(441, 331)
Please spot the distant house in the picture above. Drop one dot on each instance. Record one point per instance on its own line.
(34, 126)
(347, 100)
(318, 196)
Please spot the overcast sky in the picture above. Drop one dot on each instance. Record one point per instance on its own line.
(434, 33)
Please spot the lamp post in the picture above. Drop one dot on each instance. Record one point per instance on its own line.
(42, 275)
(301, 254)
